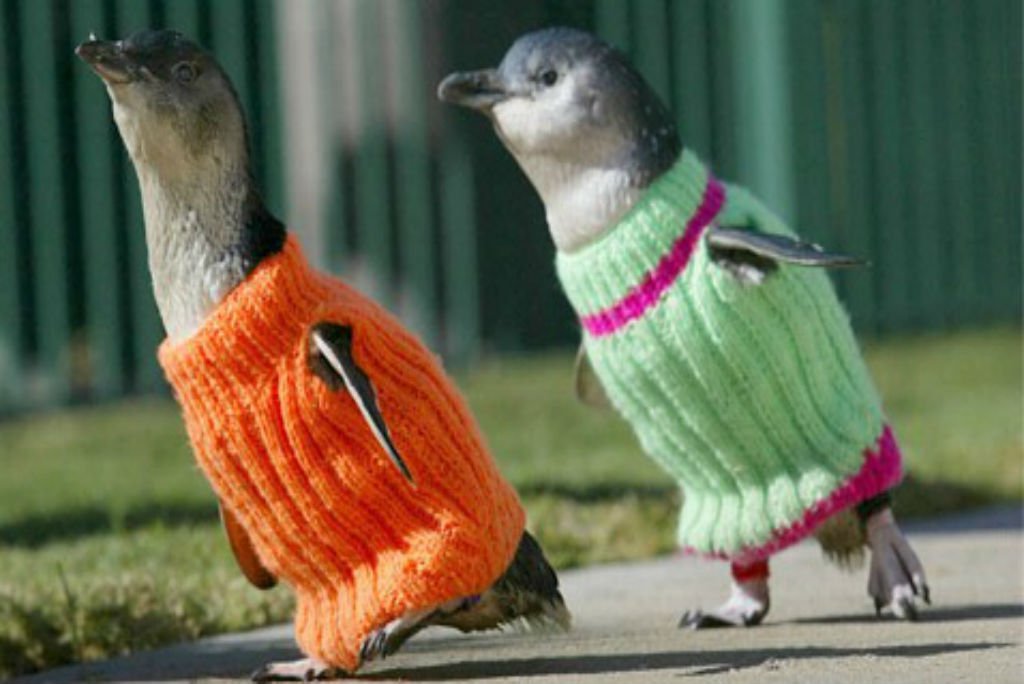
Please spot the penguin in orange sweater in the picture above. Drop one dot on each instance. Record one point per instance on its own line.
(346, 462)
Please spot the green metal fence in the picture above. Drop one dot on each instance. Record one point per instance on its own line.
(888, 128)
(77, 317)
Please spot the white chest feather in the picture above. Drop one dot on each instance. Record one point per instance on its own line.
(192, 260)
(194, 200)
(581, 204)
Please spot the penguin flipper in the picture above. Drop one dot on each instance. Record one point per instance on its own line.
(586, 384)
(245, 555)
(752, 255)
(330, 358)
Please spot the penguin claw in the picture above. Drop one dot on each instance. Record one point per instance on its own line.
(375, 646)
(698, 619)
(741, 610)
(389, 638)
(904, 607)
(897, 577)
(305, 670)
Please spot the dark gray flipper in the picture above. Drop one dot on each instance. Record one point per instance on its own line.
(752, 255)
(586, 384)
(780, 248)
(330, 358)
(244, 552)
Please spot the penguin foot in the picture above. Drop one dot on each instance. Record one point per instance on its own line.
(897, 577)
(746, 607)
(389, 638)
(305, 670)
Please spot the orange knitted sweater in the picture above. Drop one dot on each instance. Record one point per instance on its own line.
(295, 462)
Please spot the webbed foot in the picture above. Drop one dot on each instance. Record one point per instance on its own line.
(304, 670)
(747, 605)
(897, 577)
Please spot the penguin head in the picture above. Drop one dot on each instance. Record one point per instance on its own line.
(564, 94)
(584, 126)
(174, 106)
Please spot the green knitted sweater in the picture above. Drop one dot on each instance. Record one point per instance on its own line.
(754, 397)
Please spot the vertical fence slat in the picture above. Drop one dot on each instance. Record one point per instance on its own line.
(371, 162)
(959, 182)
(412, 173)
(691, 99)
(1013, 102)
(341, 115)
(816, 92)
(246, 49)
(183, 16)
(722, 95)
(228, 24)
(462, 303)
(650, 44)
(921, 186)
(47, 195)
(1005, 28)
(853, 219)
(147, 330)
(10, 305)
(97, 176)
(984, 144)
(885, 105)
(762, 101)
(825, 183)
(611, 22)
(264, 41)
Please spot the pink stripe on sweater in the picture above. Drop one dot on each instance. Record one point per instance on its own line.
(882, 469)
(644, 296)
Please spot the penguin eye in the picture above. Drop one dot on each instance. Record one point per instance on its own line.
(549, 77)
(184, 72)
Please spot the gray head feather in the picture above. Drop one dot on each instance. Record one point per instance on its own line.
(180, 119)
(582, 123)
(608, 91)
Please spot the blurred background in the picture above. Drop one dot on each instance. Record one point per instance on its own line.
(890, 129)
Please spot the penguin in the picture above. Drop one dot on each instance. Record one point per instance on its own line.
(346, 462)
(707, 324)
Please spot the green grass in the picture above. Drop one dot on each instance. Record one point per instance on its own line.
(108, 534)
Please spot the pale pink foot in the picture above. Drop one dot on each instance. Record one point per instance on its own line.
(747, 605)
(897, 576)
(304, 670)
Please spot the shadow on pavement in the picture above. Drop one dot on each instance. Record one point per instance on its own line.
(709, 662)
(990, 518)
(233, 660)
(991, 611)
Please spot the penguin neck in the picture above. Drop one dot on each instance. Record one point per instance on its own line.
(581, 202)
(204, 235)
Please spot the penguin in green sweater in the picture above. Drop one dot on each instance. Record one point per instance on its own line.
(707, 324)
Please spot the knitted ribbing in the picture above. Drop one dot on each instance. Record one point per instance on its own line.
(326, 510)
(755, 398)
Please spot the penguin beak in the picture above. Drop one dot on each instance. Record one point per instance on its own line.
(108, 60)
(478, 90)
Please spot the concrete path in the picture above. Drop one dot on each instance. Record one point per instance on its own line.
(821, 628)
